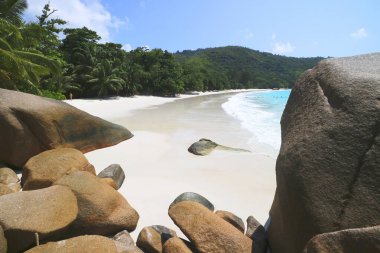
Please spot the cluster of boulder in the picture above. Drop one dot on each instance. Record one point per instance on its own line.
(206, 230)
(62, 198)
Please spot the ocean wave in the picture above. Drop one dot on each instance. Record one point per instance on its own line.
(260, 113)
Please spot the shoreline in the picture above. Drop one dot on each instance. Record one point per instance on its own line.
(158, 166)
(109, 110)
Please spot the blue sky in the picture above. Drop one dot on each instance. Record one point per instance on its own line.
(300, 28)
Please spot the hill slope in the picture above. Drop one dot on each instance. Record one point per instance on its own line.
(246, 68)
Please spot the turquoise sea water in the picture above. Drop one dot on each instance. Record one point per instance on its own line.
(260, 113)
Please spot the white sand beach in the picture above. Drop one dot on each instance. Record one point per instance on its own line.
(158, 166)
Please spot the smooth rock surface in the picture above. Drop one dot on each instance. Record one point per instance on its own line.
(175, 245)
(47, 212)
(9, 181)
(328, 168)
(202, 147)
(257, 233)
(8, 176)
(108, 181)
(4, 190)
(3, 241)
(207, 231)
(82, 244)
(125, 244)
(31, 124)
(115, 172)
(44, 169)
(231, 218)
(102, 210)
(363, 240)
(192, 196)
(252, 226)
(150, 238)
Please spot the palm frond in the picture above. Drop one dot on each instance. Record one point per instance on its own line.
(5, 45)
(38, 59)
(12, 10)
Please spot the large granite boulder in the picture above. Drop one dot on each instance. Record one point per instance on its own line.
(83, 244)
(207, 231)
(48, 212)
(328, 167)
(102, 210)
(150, 238)
(3, 241)
(363, 240)
(44, 169)
(30, 124)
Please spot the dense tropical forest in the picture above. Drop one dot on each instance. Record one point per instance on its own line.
(44, 58)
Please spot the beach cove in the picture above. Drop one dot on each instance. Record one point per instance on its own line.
(158, 166)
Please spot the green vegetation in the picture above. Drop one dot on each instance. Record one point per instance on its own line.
(34, 59)
(239, 67)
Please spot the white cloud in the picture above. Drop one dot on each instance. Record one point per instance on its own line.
(361, 33)
(282, 48)
(79, 13)
(127, 47)
(279, 47)
(147, 47)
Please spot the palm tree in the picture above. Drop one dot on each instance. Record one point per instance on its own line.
(21, 68)
(11, 10)
(105, 79)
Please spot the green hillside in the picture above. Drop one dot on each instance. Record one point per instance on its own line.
(246, 68)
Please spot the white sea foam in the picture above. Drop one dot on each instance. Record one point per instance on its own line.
(260, 113)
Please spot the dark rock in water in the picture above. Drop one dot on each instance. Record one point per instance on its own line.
(257, 233)
(102, 210)
(85, 243)
(207, 231)
(202, 147)
(363, 240)
(175, 245)
(195, 197)
(231, 218)
(115, 172)
(125, 244)
(30, 125)
(328, 168)
(3, 241)
(47, 167)
(151, 238)
(47, 212)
